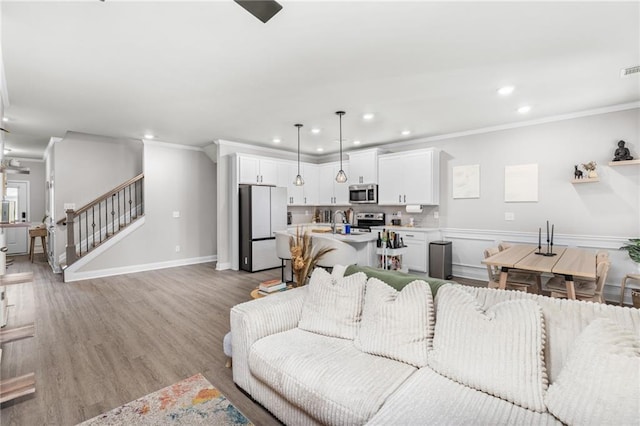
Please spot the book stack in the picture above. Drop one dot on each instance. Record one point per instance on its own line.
(271, 286)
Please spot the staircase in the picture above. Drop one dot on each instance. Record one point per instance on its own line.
(97, 222)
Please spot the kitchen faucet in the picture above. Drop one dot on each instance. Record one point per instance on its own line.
(333, 224)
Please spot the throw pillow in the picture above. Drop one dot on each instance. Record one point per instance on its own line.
(333, 306)
(397, 324)
(600, 381)
(499, 351)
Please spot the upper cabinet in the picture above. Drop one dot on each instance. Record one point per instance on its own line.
(363, 166)
(411, 177)
(306, 194)
(260, 171)
(331, 192)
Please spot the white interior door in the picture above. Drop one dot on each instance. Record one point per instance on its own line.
(18, 191)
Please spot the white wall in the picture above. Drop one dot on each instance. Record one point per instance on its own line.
(176, 179)
(87, 166)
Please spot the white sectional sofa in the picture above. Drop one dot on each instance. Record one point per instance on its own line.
(353, 351)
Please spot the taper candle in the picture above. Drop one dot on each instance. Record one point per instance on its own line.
(539, 238)
(552, 226)
(547, 232)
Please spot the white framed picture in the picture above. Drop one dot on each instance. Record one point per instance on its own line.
(466, 181)
(521, 183)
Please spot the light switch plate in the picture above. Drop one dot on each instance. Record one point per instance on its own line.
(436, 215)
(176, 214)
(509, 216)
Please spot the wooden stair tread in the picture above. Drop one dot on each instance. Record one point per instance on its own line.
(17, 387)
(17, 333)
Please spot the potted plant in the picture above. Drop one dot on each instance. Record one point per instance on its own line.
(303, 257)
(633, 248)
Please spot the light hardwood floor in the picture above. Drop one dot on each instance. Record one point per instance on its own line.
(104, 342)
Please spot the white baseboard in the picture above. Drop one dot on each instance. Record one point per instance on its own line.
(86, 275)
(223, 266)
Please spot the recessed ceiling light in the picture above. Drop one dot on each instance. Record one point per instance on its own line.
(148, 136)
(506, 90)
(405, 132)
(356, 142)
(368, 116)
(276, 140)
(5, 119)
(6, 151)
(524, 109)
(320, 149)
(315, 130)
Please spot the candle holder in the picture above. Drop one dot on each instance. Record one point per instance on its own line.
(549, 251)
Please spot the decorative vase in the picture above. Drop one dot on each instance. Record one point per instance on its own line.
(592, 174)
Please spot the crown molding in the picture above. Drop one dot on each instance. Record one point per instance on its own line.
(171, 145)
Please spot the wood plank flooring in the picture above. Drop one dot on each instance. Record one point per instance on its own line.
(104, 342)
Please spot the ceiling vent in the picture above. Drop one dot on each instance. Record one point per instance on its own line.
(626, 72)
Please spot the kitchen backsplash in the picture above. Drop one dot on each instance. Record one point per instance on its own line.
(423, 220)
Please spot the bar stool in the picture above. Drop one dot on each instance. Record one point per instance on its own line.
(624, 282)
(35, 233)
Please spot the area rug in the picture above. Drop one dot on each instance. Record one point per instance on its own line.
(193, 401)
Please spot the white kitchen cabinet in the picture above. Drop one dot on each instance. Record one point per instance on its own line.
(331, 192)
(256, 170)
(416, 254)
(411, 177)
(311, 184)
(306, 194)
(363, 167)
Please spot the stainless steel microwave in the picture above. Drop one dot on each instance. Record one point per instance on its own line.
(363, 194)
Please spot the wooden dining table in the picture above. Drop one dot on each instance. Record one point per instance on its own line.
(568, 262)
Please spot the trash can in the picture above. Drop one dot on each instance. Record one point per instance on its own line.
(440, 260)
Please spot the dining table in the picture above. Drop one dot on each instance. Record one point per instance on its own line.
(567, 262)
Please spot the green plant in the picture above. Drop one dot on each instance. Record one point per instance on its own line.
(633, 248)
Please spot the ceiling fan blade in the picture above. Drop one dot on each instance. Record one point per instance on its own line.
(261, 9)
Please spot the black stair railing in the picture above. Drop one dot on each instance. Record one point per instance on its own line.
(102, 218)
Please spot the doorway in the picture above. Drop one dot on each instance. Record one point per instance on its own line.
(18, 192)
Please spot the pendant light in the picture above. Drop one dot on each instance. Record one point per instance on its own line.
(341, 177)
(298, 181)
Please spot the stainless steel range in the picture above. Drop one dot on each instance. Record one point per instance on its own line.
(364, 221)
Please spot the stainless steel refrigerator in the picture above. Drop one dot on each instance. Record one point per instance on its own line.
(263, 211)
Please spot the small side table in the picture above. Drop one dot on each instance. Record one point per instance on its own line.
(624, 283)
(35, 233)
(391, 259)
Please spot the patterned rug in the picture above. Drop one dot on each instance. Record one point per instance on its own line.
(193, 401)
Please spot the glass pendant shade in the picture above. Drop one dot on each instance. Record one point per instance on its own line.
(298, 180)
(341, 177)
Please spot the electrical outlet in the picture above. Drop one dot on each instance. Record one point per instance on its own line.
(509, 216)
(177, 249)
(436, 215)
(176, 214)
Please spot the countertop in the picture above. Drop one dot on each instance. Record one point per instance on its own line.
(355, 237)
(404, 228)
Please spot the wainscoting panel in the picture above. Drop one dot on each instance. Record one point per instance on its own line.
(468, 246)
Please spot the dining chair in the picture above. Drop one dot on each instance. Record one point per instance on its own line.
(585, 289)
(516, 280)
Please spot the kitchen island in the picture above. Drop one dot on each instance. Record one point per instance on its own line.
(363, 242)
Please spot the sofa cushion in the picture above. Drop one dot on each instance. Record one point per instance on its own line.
(600, 383)
(499, 351)
(396, 279)
(427, 398)
(328, 378)
(333, 306)
(397, 324)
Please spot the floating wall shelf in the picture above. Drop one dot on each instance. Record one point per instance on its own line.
(624, 163)
(586, 180)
